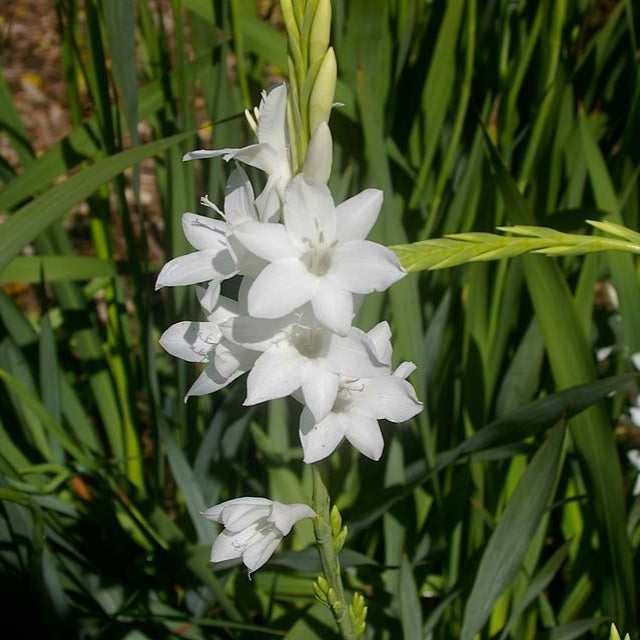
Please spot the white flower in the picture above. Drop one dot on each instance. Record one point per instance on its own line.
(271, 153)
(299, 354)
(359, 404)
(253, 528)
(204, 342)
(319, 255)
(634, 458)
(218, 255)
(634, 411)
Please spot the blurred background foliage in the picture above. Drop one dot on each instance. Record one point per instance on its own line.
(492, 513)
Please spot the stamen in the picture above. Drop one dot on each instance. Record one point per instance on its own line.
(252, 123)
(205, 202)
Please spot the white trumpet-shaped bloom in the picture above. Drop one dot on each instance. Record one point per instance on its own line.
(253, 528)
(319, 255)
(295, 353)
(204, 342)
(218, 255)
(359, 404)
(270, 154)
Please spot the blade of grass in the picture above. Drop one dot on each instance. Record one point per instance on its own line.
(509, 541)
(25, 225)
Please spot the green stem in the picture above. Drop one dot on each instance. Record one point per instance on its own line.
(328, 555)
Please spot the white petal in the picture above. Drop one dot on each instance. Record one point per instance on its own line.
(210, 381)
(215, 513)
(320, 389)
(634, 458)
(268, 203)
(205, 153)
(229, 358)
(208, 296)
(280, 288)
(309, 211)
(276, 374)
(635, 359)
(261, 156)
(357, 215)
(203, 233)
(361, 266)
(388, 397)
(364, 434)
(238, 202)
(333, 307)
(272, 124)
(237, 518)
(225, 310)
(259, 552)
(284, 516)
(189, 269)
(255, 333)
(267, 241)
(354, 356)
(404, 370)
(319, 156)
(603, 353)
(636, 486)
(224, 548)
(321, 439)
(380, 335)
(635, 415)
(191, 341)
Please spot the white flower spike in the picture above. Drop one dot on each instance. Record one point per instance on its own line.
(319, 255)
(253, 528)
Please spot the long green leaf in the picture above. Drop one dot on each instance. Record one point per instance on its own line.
(29, 269)
(29, 221)
(508, 544)
(572, 363)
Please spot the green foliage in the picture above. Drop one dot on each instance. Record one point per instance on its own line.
(506, 508)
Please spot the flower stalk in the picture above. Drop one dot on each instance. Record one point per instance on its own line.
(329, 588)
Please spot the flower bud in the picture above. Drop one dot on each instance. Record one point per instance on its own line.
(317, 167)
(320, 31)
(335, 520)
(320, 588)
(338, 541)
(323, 91)
(289, 20)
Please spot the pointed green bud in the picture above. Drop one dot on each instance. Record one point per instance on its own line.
(334, 517)
(358, 614)
(289, 19)
(357, 602)
(338, 541)
(323, 584)
(323, 91)
(320, 31)
(332, 596)
(319, 593)
(614, 635)
(298, 10)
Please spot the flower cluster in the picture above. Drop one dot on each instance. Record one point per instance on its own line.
(303, 265)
